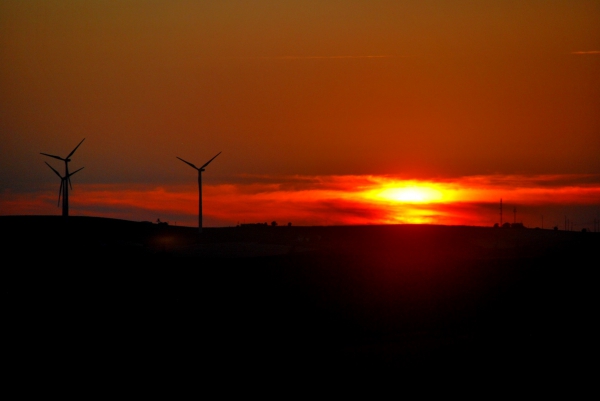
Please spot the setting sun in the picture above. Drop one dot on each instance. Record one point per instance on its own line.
(409, 192)
(412, 194)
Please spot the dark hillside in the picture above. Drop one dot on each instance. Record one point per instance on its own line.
(143, 294)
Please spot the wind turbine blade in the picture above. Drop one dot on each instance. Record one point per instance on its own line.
(75, 171)
(70, 154)
(56, 157)
(206, 164)
(188, 163)
(57, 173)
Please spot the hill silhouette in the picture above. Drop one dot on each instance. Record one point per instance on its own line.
(407, 296)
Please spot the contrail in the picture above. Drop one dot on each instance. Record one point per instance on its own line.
(325, 57)
(587, 52)
(312, 57)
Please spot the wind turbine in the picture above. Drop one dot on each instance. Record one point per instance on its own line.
(64, 190)
(66, 160)
(67, 177)
(200, 170)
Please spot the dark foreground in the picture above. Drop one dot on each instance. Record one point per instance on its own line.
(138, 296)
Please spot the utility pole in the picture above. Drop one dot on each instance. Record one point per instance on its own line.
(515, 215)
(500, 212)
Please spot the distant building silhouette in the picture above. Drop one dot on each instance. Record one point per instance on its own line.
(253, 224)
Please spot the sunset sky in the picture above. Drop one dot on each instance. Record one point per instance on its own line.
(326, 112)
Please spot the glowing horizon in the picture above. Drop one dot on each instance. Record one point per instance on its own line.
(334, 200)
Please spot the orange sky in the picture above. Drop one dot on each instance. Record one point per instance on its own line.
(423, 90)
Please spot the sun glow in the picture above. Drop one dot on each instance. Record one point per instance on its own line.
(410, 192)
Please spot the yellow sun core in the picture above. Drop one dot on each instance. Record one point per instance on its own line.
(411, 194)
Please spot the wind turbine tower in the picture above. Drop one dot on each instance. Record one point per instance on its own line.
(64, 190)
(200, 170)
(65, 179)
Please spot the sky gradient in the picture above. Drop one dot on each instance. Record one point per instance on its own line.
(485, 99)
